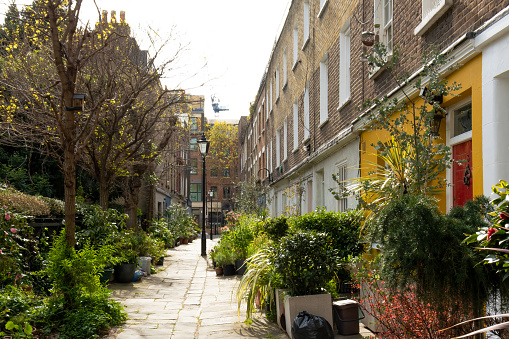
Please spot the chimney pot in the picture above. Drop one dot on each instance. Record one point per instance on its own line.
(113, 17)
(105, 16)
(122, 16)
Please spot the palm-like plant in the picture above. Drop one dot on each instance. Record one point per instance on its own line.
(384, 182)
(258, 279)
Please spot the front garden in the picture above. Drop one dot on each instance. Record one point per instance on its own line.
(48, 288)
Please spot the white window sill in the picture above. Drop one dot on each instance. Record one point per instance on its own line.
(323, 123)
(306, 43)
(285, 86)
(306, 140)
(295, 150)
(432, 17)
(277, 99)
(344, 103)
(295, 65)
(323, 8)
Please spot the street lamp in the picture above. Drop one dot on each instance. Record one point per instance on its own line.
(203, 145)
(211, 193)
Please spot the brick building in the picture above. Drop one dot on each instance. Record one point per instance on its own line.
(306, 125)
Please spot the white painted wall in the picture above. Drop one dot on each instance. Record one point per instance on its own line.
(349, 153)
(494, 43)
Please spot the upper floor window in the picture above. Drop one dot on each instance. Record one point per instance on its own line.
(285, 139)
(324, 89)
(383, 18)
(194, 144)
(432, 10)
(323, 5)
(213, 172)
(306, 23)
(306, 112)
(278, 147)
(194, 166)
(295, 126)
(276, 79)
(344, 64)
(194, 124)
(285, 70)
(295, 46)
(226, 172)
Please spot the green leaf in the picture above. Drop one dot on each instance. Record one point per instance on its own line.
(28, 329)
(10, 326)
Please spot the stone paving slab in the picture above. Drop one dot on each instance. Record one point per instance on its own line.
(186, 300)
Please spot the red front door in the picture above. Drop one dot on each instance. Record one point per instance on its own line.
(462, 176)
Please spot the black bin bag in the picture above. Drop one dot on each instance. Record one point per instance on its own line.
(308, 326)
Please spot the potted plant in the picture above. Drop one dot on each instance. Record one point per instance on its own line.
(220, 259)
(306, 263)
(127, 257)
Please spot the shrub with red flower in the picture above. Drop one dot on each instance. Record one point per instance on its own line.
(404, 314)
(232, 218)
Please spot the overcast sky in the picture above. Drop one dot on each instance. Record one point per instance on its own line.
(228, 42)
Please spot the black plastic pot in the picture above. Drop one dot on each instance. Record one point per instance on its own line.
(105, 275)
(124, 273)
(240, 266)
(229, 269)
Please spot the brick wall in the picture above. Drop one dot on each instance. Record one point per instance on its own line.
(462, 17)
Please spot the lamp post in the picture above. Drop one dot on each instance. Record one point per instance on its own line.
(211, 194)
(203, 145)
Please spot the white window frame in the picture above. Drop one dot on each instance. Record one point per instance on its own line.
(278, 147)
(295, 46)
(306, 113)
(285, 139)
(324, 89)
(323, 6)
(432, 10)
(285, 70)
(385, 20)
(344, 65)
(267, 104)
(306, 23)
(341, 175)
(295, 126)
(270, 155)
(270, 94)
(276, 76)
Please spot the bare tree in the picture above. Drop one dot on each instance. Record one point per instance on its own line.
(39, 77)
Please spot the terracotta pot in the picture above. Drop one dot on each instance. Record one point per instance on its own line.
(219, 271)
(185, 241)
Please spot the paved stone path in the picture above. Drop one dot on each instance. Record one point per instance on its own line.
(186, 300)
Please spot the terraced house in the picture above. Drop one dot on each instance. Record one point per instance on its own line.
(307, 125)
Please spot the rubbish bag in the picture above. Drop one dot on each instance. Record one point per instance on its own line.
(309, 326)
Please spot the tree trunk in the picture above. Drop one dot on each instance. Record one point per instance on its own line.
(104, 194)
(70, 193)
(131, 200)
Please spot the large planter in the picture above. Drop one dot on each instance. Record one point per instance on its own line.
(105, 275)
(229, 269)
(240, 266)
(315, 304)
(124, 273)
(144, 264)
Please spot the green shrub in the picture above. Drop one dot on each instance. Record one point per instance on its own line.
(160, 230)
(342, 229)
(180, 222)
(276, 228)
(306, 262)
